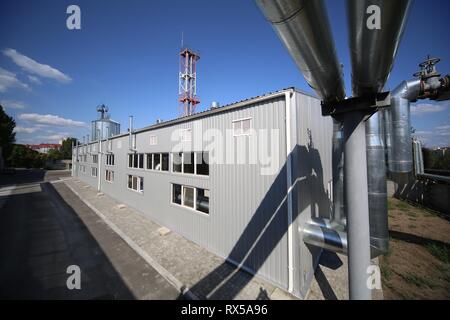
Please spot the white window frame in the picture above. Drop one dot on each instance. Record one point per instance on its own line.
(182, 198)
(136, 154)
(138, 183)
(183, 136)
(153, 140)
(241, 122)
(92, 171)
(182, 163)
(108, 158)
(111, 174)
(95, 158)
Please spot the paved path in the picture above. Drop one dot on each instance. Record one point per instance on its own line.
(44, 228)
(184, 263)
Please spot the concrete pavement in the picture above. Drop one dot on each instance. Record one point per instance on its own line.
(45, 228)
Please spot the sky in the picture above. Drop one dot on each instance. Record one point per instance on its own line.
(126, 56)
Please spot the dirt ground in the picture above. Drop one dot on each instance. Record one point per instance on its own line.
(417, 265)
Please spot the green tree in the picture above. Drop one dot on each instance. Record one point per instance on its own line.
(55, 154)
(66, 147)
(7, 134)
(23, 157)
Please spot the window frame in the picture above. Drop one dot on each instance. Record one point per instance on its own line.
(111, 174)
(241, 120)
(181, 204)
(139, 183)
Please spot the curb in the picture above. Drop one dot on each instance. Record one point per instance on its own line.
(159, 268)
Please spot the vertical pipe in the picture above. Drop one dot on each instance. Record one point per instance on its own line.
(355, 168)
(377, 188)
(130, 133)
(289, 190)
(99, 165)
(338, 175)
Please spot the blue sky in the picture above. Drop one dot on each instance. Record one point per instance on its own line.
(126, 56)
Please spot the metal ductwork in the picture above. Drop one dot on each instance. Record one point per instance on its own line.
(303, 28)
(400, 153)
(372, 53)
(373, 50)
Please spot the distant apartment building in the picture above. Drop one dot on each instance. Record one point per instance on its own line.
(43, 147)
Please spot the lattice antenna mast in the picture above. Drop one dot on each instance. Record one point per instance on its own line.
(187, 88)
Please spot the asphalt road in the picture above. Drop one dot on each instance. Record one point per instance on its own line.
(45, 228)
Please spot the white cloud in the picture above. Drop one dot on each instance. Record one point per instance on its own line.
(9, 80)
(20, 129)
(10, 104)
(50, 119)
(34, 79)
(421, 109)
(34, 67)
(443, 127)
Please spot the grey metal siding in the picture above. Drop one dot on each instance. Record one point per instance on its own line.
(247, 223)
(312, 173)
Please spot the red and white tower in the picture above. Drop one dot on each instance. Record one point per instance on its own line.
(187, 88)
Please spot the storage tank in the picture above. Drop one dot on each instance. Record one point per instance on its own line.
(104, 127)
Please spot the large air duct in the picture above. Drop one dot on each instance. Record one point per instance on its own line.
(303, 28)
(373, 50)
(400, 153)
(373, 46)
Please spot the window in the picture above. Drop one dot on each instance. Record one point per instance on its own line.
(94, 171)
(136, 183)
(156, 161)
(141, 161)
(136, 160)
(188, 197)
(176, 194)
(164, 161)
(109, 175)
(110, 159)
(149, 161)
(191, 197)
(191, 162)
(186, 135)
(188, 162)
(202, 163)
(202, 203)
(241, 127)
(176, 162)
(85, 158)
(153, 140)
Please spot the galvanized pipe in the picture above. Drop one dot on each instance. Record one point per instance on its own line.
(400, 153)
(357, 204)
(325, 235)
(377, 187)
(303, 27)
(338, 175)
(373, 50)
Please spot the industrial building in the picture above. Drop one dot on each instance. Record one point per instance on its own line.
(240, 211)
(269, 182)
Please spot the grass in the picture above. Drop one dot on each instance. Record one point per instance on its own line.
(439, 251)
(419, 281)
(386, 272)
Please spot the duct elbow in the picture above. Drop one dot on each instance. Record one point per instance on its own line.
(400, 159)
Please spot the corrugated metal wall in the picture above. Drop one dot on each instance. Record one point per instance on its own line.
(247, 223)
